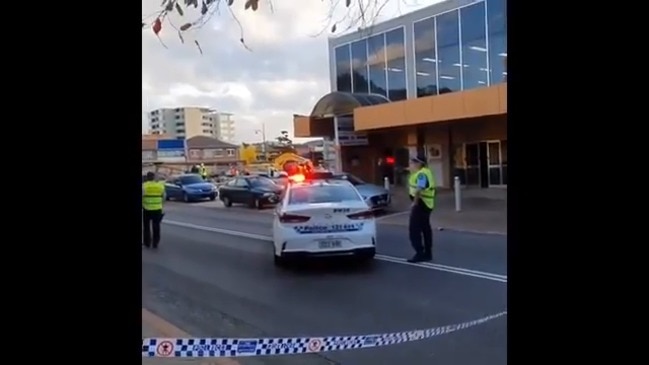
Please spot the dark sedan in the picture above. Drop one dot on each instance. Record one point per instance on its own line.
(190, 187)
(255, 191)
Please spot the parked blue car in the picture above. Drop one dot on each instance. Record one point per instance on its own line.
(190, 187)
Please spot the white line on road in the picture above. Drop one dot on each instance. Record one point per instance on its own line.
(396, 260)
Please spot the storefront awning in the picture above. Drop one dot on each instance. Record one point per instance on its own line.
(338, 103)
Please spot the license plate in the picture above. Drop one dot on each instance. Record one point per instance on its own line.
(330, 244)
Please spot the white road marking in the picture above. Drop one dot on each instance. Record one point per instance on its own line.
(396, 260)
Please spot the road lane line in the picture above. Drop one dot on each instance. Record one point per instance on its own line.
(166, 329)
(396, 260)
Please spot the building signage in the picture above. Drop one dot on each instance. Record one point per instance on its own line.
(171, 150)
(346, 134)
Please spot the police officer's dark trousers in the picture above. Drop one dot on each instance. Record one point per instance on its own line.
(419, 227)
(151, 220)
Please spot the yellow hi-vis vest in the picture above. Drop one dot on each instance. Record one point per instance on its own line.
(428, 194)
(153, 195)
(203, 171)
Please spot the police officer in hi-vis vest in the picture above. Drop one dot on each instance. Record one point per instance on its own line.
(421, 185)
(153, 195)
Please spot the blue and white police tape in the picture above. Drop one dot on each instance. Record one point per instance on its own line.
(239, 347)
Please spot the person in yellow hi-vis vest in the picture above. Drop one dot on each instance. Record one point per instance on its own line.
(203, 171)
(421, 184)
(153, 196)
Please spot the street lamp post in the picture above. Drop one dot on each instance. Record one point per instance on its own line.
(263, 142)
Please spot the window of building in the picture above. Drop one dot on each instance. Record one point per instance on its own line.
(377, 67)
(448, 52)
(497, 29)
(343, 68)
(180, 124)
(218, 152)
(359, 67)
(209, 131)
(177, 117)
(474, 46)
(230, 152)
(425, 57)
(180, 131)
(396, 62)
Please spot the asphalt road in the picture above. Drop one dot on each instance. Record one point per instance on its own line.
(215, 284)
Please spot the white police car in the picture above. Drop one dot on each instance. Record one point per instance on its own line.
(323, 218)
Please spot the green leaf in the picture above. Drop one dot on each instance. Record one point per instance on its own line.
(348, 3)
(170, 6)
(185, 26)
(204, 8)
(333, 29)
(230, 2)
(199, 46)
(179, 10)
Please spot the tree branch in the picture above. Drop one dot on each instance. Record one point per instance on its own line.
(359, 14)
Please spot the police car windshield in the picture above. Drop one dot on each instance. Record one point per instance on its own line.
(191, 179)
(314, 194)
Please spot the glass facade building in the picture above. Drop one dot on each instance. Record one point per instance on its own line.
(447, 47)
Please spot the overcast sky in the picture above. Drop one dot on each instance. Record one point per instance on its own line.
(285, 74)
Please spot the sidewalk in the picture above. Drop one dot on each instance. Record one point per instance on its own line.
(483, 210)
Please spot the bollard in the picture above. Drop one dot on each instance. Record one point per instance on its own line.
(456, 187)
(386, 183)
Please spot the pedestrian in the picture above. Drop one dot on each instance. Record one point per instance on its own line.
(203, 171)
(153, 195)
(422, 194)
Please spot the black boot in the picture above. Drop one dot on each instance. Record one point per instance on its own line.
(427, 256)
(416, 258)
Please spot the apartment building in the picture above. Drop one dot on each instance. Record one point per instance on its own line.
(223, 126)
(188, 122)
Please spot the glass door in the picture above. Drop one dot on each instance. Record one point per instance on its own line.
(472, 160)
(494, 158)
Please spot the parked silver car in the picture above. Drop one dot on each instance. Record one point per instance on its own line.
(376, 196)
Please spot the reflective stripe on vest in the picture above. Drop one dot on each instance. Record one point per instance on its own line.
(153, 195)
(428, 194)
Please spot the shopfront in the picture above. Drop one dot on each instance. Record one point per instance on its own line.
(483, 164)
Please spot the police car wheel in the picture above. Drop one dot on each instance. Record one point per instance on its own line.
(186, 198)
(227, 202)
(258, 204)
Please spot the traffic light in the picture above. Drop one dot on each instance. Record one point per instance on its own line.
(389, 160)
